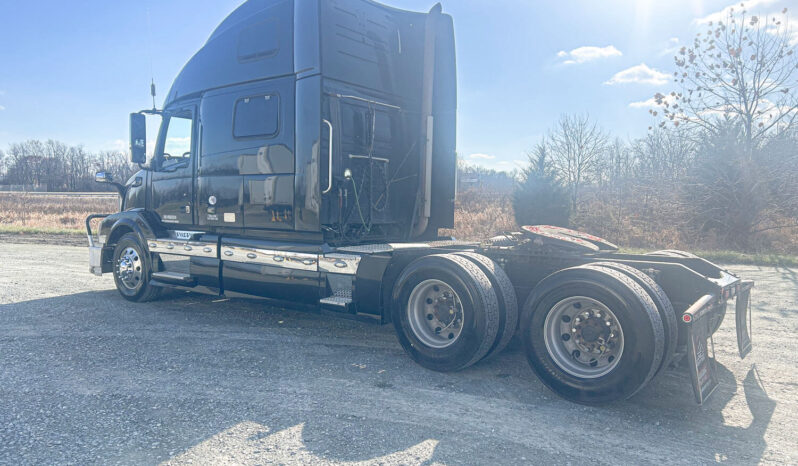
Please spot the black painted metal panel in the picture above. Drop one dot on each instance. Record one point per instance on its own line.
(307, 191)
(269, 202)
(220, 201)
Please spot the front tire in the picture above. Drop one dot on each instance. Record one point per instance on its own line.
(133, 269)
(445, 312)
(592, 334)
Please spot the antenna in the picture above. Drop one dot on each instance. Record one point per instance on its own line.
(152, 93)
(149, 52)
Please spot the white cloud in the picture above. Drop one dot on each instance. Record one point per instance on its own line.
(639, 74)
(2, 108)
(650, 103)
(788, 19)
(482, 156)
(672, 46)
(588, 53)
(721, 15)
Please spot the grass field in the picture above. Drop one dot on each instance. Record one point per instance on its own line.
(51, 213)
(476, 217)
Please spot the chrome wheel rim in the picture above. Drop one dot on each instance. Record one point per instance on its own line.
(129, 268)
(583, 337)
(435, 314)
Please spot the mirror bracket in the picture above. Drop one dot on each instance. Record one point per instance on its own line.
(105, 177)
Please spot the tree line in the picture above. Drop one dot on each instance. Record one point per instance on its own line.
(56, 166)
(718, 167)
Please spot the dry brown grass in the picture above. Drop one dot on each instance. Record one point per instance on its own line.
(51, 212)
(479, 215)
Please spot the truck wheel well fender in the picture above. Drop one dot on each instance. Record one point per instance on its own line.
(392, 273)
(117, 233)
(130, 225)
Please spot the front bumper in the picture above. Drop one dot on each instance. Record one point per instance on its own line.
(96, 248)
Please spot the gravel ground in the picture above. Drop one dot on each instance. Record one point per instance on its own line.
(89, 378)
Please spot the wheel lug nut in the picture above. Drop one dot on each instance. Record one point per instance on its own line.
(566, 337)
(429, 316)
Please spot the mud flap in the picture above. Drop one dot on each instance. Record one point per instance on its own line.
(742, 311)
(701, 348)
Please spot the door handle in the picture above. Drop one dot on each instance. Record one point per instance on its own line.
(330, 163)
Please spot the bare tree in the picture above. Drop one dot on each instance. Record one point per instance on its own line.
(664, 154)
(3, 164)
(576, 148)
(741, 68)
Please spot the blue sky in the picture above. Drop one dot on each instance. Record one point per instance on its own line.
(74, 70)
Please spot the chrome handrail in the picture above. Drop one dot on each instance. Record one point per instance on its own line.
(330, 163)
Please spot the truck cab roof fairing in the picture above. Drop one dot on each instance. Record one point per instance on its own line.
(254, 42)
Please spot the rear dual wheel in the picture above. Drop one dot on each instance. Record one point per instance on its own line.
(451, 310)
(592, 334)
(505, 293)
(661, 300)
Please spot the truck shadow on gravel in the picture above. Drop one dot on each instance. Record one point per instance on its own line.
(202, 378)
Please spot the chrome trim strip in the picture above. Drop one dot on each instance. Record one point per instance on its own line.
(339, 263)
(183, 248)
(367, 248)
(285, 259)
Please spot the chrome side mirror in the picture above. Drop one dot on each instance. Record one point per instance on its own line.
(103, 177)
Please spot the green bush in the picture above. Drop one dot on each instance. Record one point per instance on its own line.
(541, 200)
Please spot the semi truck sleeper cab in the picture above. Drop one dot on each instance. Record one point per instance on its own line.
(306, 154)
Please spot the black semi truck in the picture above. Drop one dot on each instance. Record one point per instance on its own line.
(306, 154)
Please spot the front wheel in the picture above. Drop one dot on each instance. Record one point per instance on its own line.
(132, 270)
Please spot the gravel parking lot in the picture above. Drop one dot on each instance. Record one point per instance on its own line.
(87, 377)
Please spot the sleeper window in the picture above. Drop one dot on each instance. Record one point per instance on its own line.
(255, 116)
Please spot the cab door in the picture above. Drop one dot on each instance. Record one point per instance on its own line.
(173, 168)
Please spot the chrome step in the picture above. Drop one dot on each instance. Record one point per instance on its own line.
(341, 298)
(175, 278)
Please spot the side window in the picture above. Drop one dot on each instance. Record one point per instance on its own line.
(256, 116)
(177, 144)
